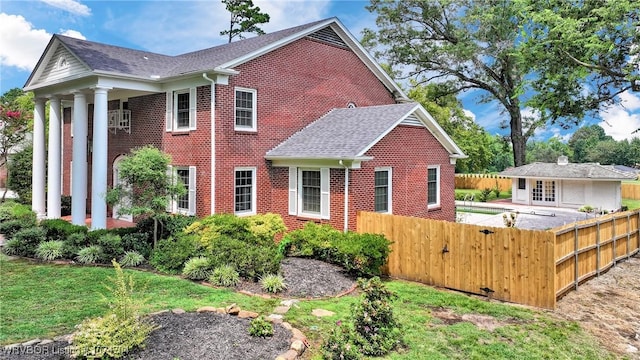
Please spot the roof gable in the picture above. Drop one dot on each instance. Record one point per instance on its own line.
(57, 64)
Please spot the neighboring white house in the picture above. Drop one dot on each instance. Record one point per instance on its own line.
(569, 185)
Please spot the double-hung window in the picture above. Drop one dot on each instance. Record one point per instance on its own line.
(433, 186)
(246, 101)
(382, 190)
(181, 110)
(185, 203)
(309, 192)
(245, 191)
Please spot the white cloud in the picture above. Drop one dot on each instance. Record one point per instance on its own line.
(20, 44)
(621, 120)
(71, 6)
(469, 114)
(73, 34)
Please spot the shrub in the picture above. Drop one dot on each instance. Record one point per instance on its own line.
(116, 333)
(483, 196)
(11, 210)
(94, 236)
(272, 283)
(251, 261)
(362, 254)
(58, 229)
(171, 254)
(260, 327)
(11, 247)
(111, 245)
(50, 250)
(311, 241)
(376, 329)
(212, 228)
(10, 227)
(224, 275)
(20, 174)
(586, 209)
(197, 268)
(265, 226)
(137, 242)
(29, 239)
(496, 191)
(131, 258)
(73, 243)
(169, 225)
(340, 345)
(90, 254)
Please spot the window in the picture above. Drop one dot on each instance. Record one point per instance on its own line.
(245, 109)
(309, 192)
(522, 184)
(382, 190)
(181, 110)
(245, 191)
(184, 204)
(433, 186)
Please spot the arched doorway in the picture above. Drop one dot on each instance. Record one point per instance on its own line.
(116, 181)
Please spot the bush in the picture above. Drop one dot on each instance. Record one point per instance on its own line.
(171, 254)
(50, 250)
(137, 242)
(20, 174)
(94, 236)
(311, 241)
(111, 245)
(251, 261)
(131, 258)
(58, 229)
(169, 225)
(210, 229)
(73, 243)
(266, 226)
(272, 283)
(483, 196)
(116, 333)
(586, 209)
(11, 210)
(224, 275)
(90, 254)
(197, 268)
(29, 239)
(11, 247)
(340, 345)
(9, 228)
(260, 327)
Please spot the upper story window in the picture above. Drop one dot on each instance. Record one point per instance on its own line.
(181, 110)
(433, 186)
(382, 190)
(246, 101)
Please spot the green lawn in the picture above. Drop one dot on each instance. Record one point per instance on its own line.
(40, 300)
(476, 193)
(631, 204)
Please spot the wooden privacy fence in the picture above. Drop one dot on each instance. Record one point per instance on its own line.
(510, 264)
(482, 181)
(631, 191)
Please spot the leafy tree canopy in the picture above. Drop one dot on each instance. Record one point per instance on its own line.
(245, 18)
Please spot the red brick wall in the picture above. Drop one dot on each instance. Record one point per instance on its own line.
(295, 86)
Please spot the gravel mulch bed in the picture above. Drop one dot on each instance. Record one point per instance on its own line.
(308, 278)
(206, 336)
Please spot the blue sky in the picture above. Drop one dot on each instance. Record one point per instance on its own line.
(174, 27)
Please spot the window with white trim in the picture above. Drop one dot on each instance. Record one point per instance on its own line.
(245, 191)
(433, 186)
(186, 203)
(382, 190)
(309, 192)
(246, 101)
(181, 110)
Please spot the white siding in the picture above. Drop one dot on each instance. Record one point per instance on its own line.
(52, 72)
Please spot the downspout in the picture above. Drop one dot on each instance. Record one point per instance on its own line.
(346, 196)
(213, 141)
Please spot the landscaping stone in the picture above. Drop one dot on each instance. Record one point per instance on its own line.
(243, 314)
(275, 318)
(46, 342)
(289, 302)
(322, 313)
(297, 335)
(221, 310)
(31, 342)
(265, 296)
(64, 338)
(233, 309)
(286, 325)
(178, 311)
(298, 346)
(289, 355)
(206, 309)
(632, 349)
(281, 309)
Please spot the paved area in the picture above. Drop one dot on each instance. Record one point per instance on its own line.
(529, 217)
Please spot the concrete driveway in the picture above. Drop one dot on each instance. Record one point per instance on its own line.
(529, 217)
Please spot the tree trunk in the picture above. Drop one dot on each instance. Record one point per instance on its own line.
(518, 140)
(155, 232)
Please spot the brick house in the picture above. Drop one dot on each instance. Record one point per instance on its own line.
(296, 119)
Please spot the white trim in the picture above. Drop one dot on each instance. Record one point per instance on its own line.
(254, 110)
(193, 179)
(325, 190)
(438, 186)
(389, 171)
(293, 190)
(254, 188)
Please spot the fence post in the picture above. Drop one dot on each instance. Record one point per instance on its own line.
(628, 236)
(575, 257)
(613, 231)
(598, 247)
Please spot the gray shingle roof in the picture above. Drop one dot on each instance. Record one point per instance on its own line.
(125, 61)
(592, 171)
(342, 133)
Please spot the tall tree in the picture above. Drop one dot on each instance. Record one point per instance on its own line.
(584, 53)
(245, 18)
(547, 151)
(447, 110)
(464, 44)
(586, 138)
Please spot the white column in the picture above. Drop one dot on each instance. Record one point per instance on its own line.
(99, 164)
(54, 163)
(79, 168)
(38, 184)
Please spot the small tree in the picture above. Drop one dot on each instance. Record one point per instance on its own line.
(20, 169)
(147, 187)
(13, 129)
(245, 17)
